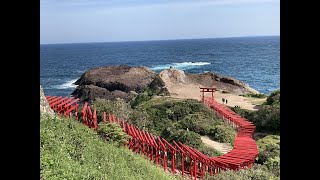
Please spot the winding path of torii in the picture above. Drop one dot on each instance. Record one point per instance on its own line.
(183, 159)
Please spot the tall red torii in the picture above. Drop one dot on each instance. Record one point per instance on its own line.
(207, 89)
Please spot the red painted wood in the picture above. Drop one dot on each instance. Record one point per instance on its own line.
(242, 155)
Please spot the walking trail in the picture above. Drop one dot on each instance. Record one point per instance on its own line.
(192, 91)
(221, 147)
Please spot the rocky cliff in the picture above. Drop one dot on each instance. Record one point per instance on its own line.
(126, 82)
(209, 79)
(111, 82)
(44, 105)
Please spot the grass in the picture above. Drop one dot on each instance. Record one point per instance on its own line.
(270, 139)
(158, 100)
(182, 120)
(256, 172)
(262, 96)
(69, 150)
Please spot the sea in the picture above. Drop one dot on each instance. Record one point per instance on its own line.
(253, 60)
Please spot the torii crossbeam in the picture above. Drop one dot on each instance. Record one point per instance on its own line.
(207, 89)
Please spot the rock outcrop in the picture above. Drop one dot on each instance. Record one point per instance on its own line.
(126, 82)
(44, 105)
(115, 81)
(209, 79)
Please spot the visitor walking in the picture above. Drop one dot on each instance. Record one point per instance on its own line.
(223, 100)
(226, 101)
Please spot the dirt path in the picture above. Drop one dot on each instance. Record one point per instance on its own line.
(192, 91)
(221, 147)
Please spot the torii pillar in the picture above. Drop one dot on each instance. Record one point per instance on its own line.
(207, 89)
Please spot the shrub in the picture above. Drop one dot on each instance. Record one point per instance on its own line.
(118, 107)
(113, 133)
(273, 98)
(267, 118)
(197, 122)
(157, 87)
(166, 117)
(143, 97)
(273, 165)
(269, 153)
(179, 112)
(254, 95)
(186, 137)
(223, 133)
(256, 172)
(248, 114)
(209, 151)
(270, 139)
(140, 118)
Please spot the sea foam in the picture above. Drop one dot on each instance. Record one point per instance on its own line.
(180, 66)
(69, 84)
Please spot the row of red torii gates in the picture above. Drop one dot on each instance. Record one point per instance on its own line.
(183, 159)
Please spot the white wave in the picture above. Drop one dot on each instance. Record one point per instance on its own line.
(180, 66)
(67, 85)
(79, 71)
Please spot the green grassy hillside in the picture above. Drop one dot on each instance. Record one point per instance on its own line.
(69, 150)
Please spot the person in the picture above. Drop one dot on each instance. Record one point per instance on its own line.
(222, 100)
(226, 101)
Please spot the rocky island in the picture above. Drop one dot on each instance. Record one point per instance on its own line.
(126, 82)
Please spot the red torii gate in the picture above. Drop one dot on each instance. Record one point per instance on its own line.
(207, 89)
(193, 162)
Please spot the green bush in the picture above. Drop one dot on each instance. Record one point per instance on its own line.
(273, 98)
(189, 138)
(273, 165)
(167, 117)
(118, 107)
(267, 118)
(222, 133)
(113, 133)
(143, 97)
(254, 95)
(178, 112)
(270, 139)
(256, 172)
(269, 153)
(157, 87)
(197, 122)
(209, 151)
(243, 112)
(70, 150)
(140, 118)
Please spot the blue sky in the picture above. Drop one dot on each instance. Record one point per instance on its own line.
(74, 21)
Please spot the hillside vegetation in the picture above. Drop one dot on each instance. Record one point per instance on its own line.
(267, 118)
(70, 150)
(266, 168)
(172, 119)
(267, 121)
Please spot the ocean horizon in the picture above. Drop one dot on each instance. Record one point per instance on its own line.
(255, 60)
(156, 40)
